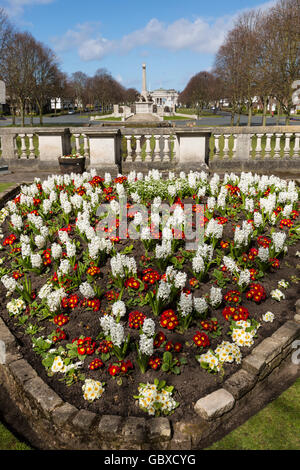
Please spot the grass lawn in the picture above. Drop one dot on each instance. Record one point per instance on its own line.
(276, 427)
(4, 186)
(10, 442)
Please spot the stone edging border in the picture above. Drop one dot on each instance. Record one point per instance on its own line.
(59, 425)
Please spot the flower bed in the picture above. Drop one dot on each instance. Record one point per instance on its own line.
(137, 322)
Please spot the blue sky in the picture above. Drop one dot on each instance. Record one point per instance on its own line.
(176, 39)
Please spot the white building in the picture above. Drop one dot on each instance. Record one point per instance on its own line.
(165, 98)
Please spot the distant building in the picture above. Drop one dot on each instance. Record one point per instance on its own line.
(165, 98)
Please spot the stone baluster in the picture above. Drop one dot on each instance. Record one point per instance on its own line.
(167, 148)
(31, 146)
(226, 145)
(268, 147)
(138, 150)
(287, 148)
(258, 149)
(173, 142)
(297, 145)
(23, 145)
(157, 149)
(251, 145)
(129, 149)
(277, 145)
(16, 152)
(77, 143)
(234, 145)
(148, 148)
(217, 145)
(86, 149)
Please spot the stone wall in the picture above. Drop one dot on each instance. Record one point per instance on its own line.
(275, 149)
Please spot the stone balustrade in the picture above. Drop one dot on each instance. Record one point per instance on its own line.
(116, 149)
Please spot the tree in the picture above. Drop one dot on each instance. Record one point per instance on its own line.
(198, 92)
(17, 70)
(47, 77)
(284, 50)
(79, 83)
(6, 32)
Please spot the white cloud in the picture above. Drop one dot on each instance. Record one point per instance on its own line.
(16, 7)
(199, 35)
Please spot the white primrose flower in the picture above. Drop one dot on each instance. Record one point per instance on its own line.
(58, 365)
(15, 306)
(92, 390)
(268, 317)
(228, 352)
(284, 284)
(277, 295)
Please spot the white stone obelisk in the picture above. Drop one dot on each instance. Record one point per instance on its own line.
(144, 90)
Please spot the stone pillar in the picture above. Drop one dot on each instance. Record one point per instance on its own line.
(193, 149)
(8, 146)
(104, 149)
(144, 90)
(243, 146)
(53, 143)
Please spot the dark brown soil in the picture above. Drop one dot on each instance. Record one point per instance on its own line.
(193, 382)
